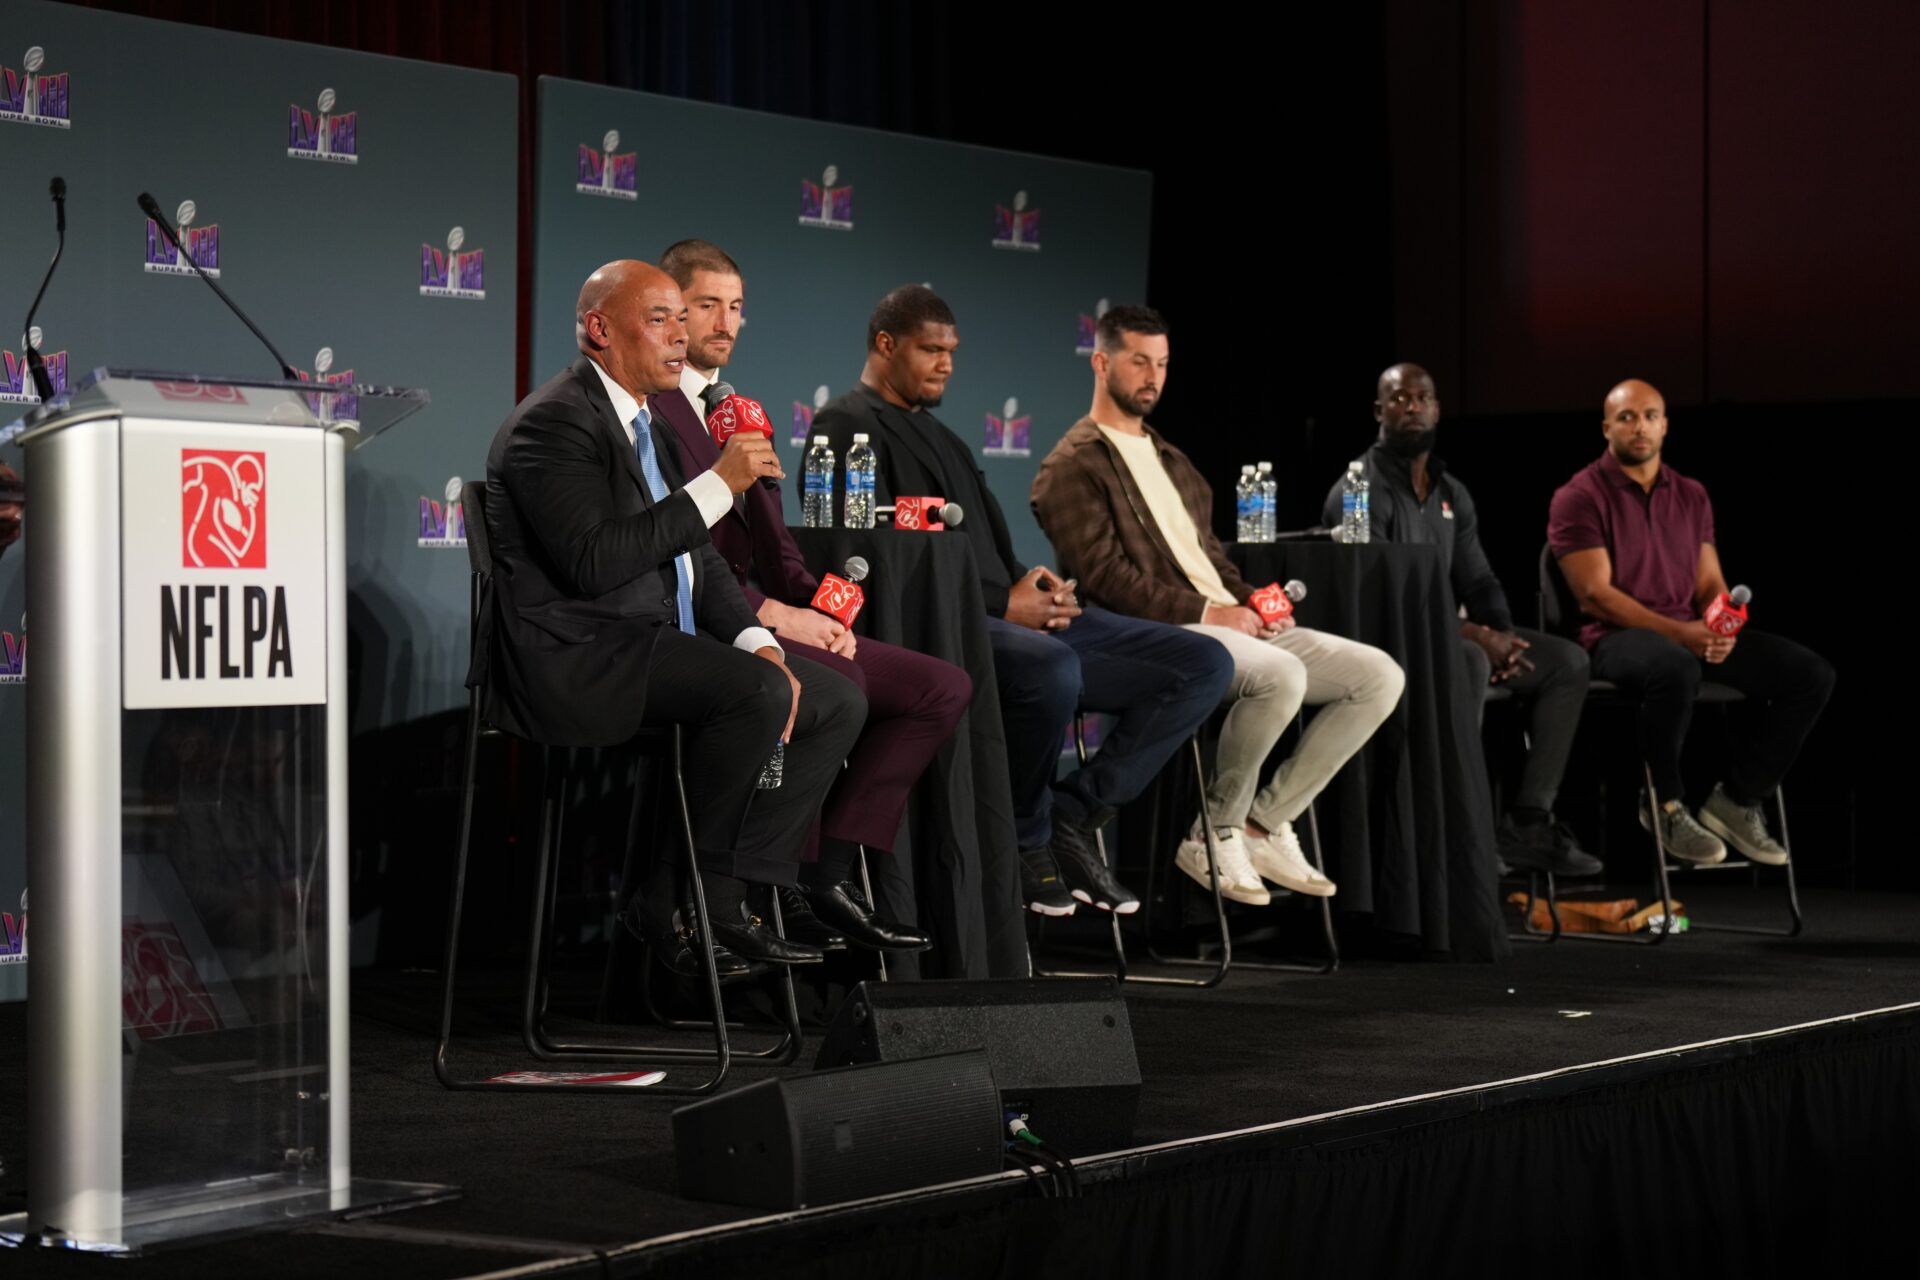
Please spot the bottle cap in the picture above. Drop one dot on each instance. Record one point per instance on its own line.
(1356, 466)
(819, 439)
(859, 437)
(1266, 466)
(1247, 470)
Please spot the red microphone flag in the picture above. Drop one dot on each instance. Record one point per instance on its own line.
(734, 414)
(839, 599)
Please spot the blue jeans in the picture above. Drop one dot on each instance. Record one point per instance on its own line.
(1160, 681)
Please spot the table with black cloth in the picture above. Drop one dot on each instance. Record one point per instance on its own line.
(1407, 824)
(957, 871)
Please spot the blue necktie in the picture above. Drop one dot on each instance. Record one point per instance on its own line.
(657, 490)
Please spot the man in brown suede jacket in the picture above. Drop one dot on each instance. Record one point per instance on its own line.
(1129, 516)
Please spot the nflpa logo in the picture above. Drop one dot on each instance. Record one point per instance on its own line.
(223, 509)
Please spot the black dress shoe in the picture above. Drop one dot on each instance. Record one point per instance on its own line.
(842, 907)
(750, 936)
(800, 924)
(679, 948)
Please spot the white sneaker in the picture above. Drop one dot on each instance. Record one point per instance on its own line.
(1238, 880)
(1278, 857)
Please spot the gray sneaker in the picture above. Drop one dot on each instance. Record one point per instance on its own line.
(1745, 828)
(1681, 836)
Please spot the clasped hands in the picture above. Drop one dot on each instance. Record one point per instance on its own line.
(1042, 602)
(1238, 617)
(1506, 652)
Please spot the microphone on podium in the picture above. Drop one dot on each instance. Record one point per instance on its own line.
(1274, 602)
(729, 412)
(1726, 615)
(150, 207)
(36, 363)
(843, 598)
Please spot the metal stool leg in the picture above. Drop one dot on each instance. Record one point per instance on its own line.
(1661, 886)
(866, 887)
(1796, 922)
(1332, 962)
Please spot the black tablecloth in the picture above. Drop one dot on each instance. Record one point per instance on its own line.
(1408, 825)
(958, 873)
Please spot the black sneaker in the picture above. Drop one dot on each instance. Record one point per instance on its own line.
(1573, 860)
(1086, 871)
(1041, 886)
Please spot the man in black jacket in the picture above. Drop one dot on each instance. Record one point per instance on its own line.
(611, 612)
(1415, 498)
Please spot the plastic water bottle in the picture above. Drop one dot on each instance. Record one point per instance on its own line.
(1269, 501)
(1246, 500)
(859, 500)
(1356, 523)
(818, 507)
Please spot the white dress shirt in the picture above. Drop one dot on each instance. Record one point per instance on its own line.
(693, 385)
(710, 494)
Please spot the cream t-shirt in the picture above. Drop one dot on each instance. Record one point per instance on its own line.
(1142, 457)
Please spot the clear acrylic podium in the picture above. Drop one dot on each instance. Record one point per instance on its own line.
(187, 808)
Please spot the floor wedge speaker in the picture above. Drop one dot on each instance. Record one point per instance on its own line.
(1061, 1048)
(839, 1135)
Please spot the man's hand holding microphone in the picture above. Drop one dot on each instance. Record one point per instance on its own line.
(745, 459)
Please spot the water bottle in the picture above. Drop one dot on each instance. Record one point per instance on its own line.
(1269, 489)
(859, 500)
(774, 771)
(1246, 500)
(1356, 523)
(818, 507)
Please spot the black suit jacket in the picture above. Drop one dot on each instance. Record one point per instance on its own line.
(583, 577)
(913, 464)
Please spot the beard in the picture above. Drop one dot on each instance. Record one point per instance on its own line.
(1411, 444)
(1625, 456)
(1133, 404)
(701, 355)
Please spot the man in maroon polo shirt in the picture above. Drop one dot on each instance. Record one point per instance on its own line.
(914, 701)
(1634, 539)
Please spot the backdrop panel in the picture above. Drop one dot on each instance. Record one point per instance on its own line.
(326, 188)
(823, 220)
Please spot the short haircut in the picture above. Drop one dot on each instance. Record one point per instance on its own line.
(1120, 321)
(683, 259)
(902, 312)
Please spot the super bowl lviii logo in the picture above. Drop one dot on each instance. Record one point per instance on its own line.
(13, 934)
(202, 245)
(1007, 435)
(16, 378)
(452, 272)
(30, 96)
(322, 134)
(1018, 227)
(330, 406)
(823, 204)
(803, 416)
(444, 527)
(1087, 329)
(13, 655)
(603, 173)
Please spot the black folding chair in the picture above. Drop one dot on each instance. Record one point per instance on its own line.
(1559, 613)
(600, 1056)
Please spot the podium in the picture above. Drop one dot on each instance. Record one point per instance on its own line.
(187, 809)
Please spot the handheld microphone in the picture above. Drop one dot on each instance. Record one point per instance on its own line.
(929, 515)
(729, 412)
(1274, 602)
(151, 208)
(1726, 615)
(843, 598)
(42, 384)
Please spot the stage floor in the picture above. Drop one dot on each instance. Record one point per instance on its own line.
(557, 1177)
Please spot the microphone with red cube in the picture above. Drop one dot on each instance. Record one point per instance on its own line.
(729, 413)
(1274, 603)
(842, 598)
(925, 514)
(1726, 615)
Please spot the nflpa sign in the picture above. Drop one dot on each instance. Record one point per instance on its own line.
(223, 509)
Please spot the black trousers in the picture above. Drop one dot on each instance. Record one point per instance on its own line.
(1553, 693)
(1786, 684)
(732, 705)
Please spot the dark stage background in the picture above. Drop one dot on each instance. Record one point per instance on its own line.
(1534, 199)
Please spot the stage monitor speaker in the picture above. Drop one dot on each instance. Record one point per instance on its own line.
(841, 1135)
(1061, 1048)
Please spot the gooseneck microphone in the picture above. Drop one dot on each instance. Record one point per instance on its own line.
(35, 362)
(152, 209)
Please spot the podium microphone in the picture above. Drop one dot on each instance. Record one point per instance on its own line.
(728, 411)
(149, 207)
(35, 362)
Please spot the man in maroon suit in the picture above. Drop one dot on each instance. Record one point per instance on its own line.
(914, 701)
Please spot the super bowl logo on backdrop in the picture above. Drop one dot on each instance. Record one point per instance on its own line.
(201, 243)
(451, 273)
(17, 384)
(322, 134)
(1089, 326)
(602, 173)
(28, 97)
(803, 416)
(444, 527)
(330, 406)
(13, 934)
(13, 655)
(1018, 227)
(1008, 436)
(822, 204)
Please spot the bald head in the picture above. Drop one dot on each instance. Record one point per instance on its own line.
(1407, 408)
(631, 320)
(1634, 421)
